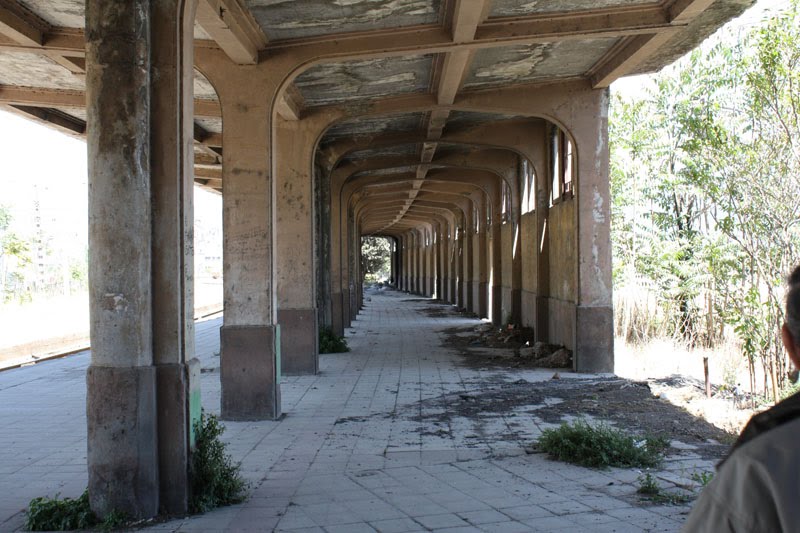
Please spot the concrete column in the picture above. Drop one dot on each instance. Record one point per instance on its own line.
(441, 273)
(543, 184)
(496, 262)
(140, 390)
(295, 261)
(594, 323)
(466, 262)
(250, 337)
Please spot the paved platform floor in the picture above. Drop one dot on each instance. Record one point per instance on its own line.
(369, 444)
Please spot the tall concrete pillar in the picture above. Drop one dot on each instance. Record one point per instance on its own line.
(594, 323)
(142, 392)
(441, 272)
(250, 337)
(466, 262)
(496, 262)
(295, 262)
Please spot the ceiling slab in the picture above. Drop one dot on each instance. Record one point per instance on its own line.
(468, 119)
(398, 150)
(516, 8)
(536, 62)
(289, 19)
(25, 69)
(334, 83)
(405, 122)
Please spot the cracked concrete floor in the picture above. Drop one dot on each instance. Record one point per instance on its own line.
(369, 444)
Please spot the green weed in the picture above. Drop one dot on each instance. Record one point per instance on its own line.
(329, 342)
(652, 492)
(600, 446)
(216, 480)
(54, 514)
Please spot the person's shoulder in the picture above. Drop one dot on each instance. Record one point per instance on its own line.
(777, 446)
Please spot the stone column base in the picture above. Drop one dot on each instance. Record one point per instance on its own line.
(122, 445)
(497, 305)
(250, 372)
(299, 339)
(346, 316)
(480, 297)
(178, 388)
(594, 339)
(337, 322)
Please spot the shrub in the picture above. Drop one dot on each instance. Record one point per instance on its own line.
(329, 342)
(216, 480)
(600, 446)
(52, 514)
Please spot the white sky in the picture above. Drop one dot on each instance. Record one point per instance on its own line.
(40, 162)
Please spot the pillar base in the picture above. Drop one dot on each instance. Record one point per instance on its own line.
(178, 388)
(337, 320)
(594, 342)
(299, 339)
(250, 372)
(122, 445)
(497, 305)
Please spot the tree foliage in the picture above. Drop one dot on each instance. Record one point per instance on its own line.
(706, 182)
(375, 258)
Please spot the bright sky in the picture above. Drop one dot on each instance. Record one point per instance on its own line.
(42, 163)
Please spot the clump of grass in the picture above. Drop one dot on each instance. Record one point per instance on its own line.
(601, 446)
(329, 342)
(651, 491)
(54, 514)
(67, 514)
(703, 477)
(216, 480)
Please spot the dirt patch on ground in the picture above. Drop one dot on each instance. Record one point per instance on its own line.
(659, 407)
(627, 404)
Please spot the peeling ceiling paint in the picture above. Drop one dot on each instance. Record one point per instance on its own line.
(34, 70)
(71, 14)
(333, 83)
(406, 122)
(67, 13)
(468, 119)
(289, 19)
(397, 150)
(518, 64)
(515, 8)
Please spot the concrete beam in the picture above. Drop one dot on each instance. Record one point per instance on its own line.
(233, 28)
(43, 97)
(20, 25)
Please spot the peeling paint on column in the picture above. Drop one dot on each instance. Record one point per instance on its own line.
(289, 19)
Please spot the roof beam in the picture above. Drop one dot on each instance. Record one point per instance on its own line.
(233, 28)
(291, 104)
(686, 10)
(18, 25)
(52, 118)
(625, 59)
(44, 97)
